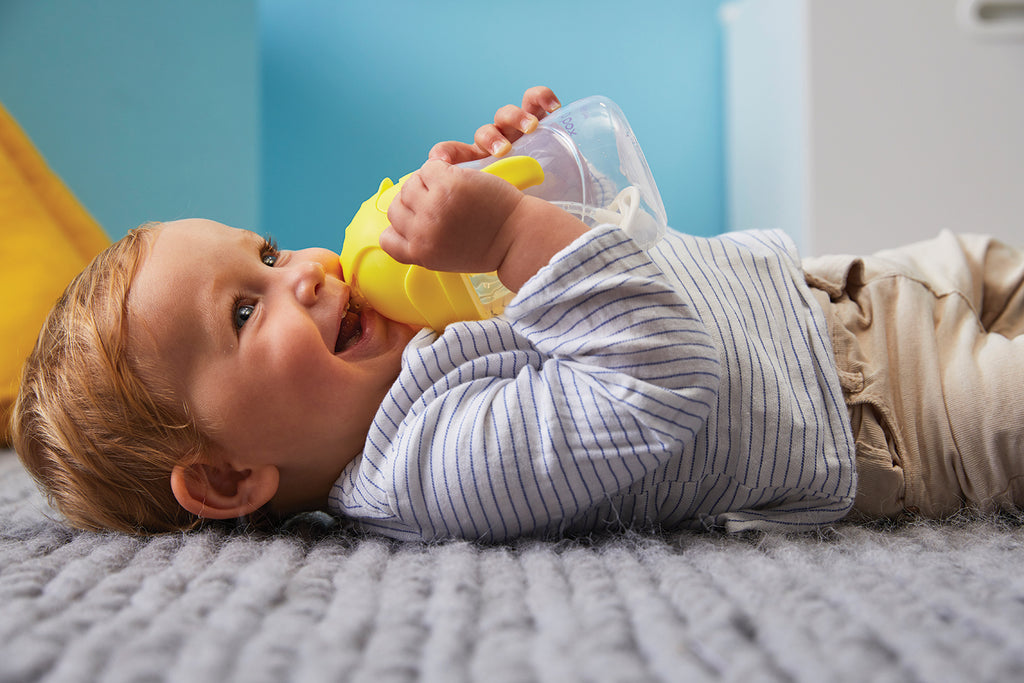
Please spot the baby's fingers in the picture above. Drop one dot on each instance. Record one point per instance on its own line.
(510, 124)
(513, 121)
(455, 152)
(412, 214)
(490, 139)
(396, 246)
(540, 101)
(395, 240)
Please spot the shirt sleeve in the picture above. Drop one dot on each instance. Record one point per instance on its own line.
(604, 374)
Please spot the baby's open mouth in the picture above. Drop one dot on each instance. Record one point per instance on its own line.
(350, 332)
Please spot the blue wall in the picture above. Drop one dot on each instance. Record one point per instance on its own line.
(147, 110)
(354, 92)
(283, 115)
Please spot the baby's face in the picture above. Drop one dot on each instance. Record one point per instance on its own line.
(265, 351)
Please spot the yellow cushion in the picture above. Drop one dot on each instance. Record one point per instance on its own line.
(47, 237)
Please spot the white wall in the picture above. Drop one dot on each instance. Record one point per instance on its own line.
(917, 125)
(765, 62)
(910, 121)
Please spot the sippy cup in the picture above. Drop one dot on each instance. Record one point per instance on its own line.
(414, 294)
(594, 169)
(582, 158)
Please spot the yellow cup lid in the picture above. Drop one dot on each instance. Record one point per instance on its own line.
(408, 293)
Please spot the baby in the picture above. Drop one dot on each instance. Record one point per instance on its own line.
(195, 371)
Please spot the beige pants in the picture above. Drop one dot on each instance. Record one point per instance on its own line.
(929, 343)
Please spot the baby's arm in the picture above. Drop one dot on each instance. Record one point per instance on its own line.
(454, 219)
(595, 377)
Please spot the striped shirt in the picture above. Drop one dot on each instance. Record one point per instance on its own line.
(689, 386)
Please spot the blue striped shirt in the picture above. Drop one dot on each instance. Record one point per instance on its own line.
(689, 386)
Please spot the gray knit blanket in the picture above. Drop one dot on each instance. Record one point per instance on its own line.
(319, 602)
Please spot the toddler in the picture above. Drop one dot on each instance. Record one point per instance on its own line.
(195, 371)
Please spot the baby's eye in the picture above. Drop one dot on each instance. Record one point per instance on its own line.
(269, 252)
(242, 314)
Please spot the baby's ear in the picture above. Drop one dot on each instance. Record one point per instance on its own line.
(221, 492)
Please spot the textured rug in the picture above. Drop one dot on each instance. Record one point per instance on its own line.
(909, 602)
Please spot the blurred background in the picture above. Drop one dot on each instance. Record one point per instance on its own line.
(284, 115)
(853, 125)
(847, 123)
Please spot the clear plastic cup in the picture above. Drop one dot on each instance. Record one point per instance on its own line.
(594, 168)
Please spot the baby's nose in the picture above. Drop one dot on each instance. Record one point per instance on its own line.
(311, 275)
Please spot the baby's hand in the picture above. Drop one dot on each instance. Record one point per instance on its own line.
(510, 123)
(455, 219)
(451, 219)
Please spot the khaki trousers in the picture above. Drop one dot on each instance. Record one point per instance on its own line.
(929, 344)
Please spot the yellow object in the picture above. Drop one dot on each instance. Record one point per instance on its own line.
(48, 238)
(413, 294)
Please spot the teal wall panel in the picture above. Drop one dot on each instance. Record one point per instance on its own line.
(354, 92)
(283, 115)
(147, 110)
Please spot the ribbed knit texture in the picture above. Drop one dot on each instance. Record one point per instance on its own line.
(919, 602)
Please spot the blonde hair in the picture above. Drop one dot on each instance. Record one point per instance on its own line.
(100, 443)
